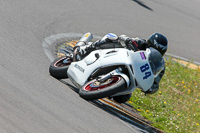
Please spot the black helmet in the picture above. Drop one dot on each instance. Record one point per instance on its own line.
(159, 42)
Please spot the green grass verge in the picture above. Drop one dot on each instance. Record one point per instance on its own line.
(176, 105)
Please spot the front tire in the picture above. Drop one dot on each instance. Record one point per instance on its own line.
(58, 68)
(96, 90)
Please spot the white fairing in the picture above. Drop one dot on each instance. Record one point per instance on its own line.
(142, 71)
(137, 63)
(81, 70)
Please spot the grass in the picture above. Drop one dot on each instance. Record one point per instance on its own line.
(176, 105)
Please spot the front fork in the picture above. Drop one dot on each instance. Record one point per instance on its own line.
(118, 72)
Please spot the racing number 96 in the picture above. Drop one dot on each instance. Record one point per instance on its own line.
(143, 69)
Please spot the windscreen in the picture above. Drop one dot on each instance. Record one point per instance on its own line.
(156, 61)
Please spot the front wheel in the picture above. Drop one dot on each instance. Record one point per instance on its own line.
(58, 68)
(96, 90)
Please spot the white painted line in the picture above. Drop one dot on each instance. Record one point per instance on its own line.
(49, 41)
(182, 58)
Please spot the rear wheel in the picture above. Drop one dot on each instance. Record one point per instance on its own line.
(95, 89)
(58, 68)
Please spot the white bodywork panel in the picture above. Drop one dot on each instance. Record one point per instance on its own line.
(136, 62)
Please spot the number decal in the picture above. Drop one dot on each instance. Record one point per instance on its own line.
(147, 74)
(144, 68)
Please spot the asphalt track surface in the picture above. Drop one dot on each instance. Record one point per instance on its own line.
(31, 101)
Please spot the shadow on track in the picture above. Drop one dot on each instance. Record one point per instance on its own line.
(70, 86)
(143, 5)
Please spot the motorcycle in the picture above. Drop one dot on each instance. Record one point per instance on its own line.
(108, 72)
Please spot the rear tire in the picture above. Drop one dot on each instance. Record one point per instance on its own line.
(96, 90)
(58, 69)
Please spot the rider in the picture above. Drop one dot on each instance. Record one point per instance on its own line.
(156, 40)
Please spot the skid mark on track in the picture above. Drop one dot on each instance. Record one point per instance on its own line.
(49, 42)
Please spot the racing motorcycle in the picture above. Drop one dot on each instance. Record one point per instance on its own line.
(108, 72)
